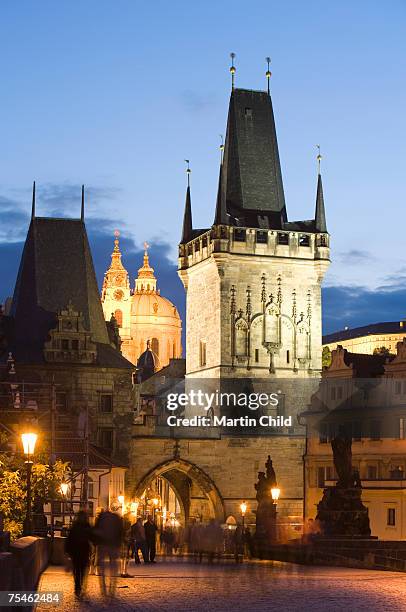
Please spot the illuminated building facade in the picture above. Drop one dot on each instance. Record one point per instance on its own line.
(142, 314)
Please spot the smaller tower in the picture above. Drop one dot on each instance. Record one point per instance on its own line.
(145, 280)
(116, 295)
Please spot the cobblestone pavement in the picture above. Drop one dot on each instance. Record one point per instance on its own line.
(176, 585)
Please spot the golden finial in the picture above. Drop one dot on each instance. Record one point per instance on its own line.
(221, 148)
(268, 72)
(146, 246)
(319, 157)
(116, 237)
(188, 171)
(232, 69)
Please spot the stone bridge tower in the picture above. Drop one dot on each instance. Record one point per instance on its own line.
(253, 280)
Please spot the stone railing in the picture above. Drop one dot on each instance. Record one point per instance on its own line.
(22, 566)
(281, 243)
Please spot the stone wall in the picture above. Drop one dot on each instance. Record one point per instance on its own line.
(231, 465)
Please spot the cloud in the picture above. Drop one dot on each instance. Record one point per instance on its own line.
(101, 241)
(355, 256)
(13, 220)
(355, 306)
(196, 101)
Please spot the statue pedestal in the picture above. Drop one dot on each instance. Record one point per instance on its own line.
(341, 513)
(266, 522)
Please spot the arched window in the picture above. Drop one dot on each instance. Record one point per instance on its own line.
(119, 317)
(155, 346)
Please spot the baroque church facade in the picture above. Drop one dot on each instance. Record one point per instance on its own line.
(143, 316)
(253, 314)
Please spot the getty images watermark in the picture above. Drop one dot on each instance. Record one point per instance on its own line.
(208, 402)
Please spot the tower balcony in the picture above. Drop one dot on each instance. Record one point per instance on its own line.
(254, 241)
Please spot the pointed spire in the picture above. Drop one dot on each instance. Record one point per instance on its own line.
(320, 215)
(232, 70)
(187, 216)
(82, 209)
(33, 201)
(268, 74)
(220, 217)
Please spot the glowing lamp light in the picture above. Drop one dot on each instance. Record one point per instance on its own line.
(121, 499)
(275, 492)
(29, 440)
(64, 487)
(243, 508)
(134, 507)
(155, 501)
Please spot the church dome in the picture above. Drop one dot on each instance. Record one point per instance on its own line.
(152, 304)
(144, 317)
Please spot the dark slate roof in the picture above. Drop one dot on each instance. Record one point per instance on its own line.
(57, 268)
(320, 214)
(388, 327)
(187, 230)
(109, 357)
(251, 178)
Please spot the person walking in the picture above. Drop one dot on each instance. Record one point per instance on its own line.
(150, 530)
(126, 547)
(138, 536)
(77, 546)
(109, 533)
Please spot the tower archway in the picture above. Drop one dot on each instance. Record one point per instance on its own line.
(197, 496)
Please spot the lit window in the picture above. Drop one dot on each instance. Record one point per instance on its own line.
(391, 517)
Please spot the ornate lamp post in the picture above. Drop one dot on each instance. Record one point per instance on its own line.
(243, 508)
(29, 440)
(64, 486)
(275, 492)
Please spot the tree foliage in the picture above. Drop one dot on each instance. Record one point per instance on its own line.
(326, 357)
(45, 483)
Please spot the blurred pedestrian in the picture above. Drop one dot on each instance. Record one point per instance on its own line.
(138, 537)
(109, 532)
(126, 545)
(238, 544)
(150, 530)
(77, 546)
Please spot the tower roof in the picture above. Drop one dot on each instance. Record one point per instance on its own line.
(251, 188)
(187, 229)
(56, 268)
(320, 215)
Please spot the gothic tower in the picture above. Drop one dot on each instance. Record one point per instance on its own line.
(253, 280)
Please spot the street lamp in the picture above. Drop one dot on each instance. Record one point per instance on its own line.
(64, 486)
(121, 502)
(243, 508)
(275, 492)
(29, 440)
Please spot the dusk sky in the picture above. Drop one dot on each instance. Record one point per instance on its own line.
(117, 94)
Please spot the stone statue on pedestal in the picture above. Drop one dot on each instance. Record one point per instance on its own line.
(341, 511)
(266, 509)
